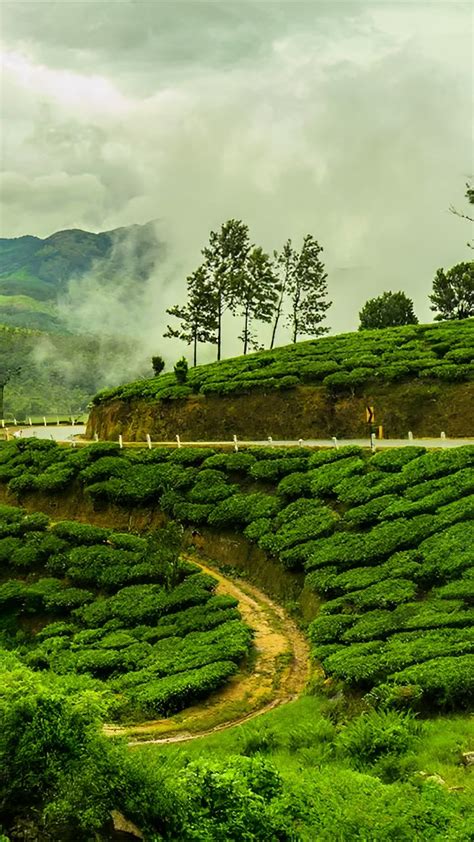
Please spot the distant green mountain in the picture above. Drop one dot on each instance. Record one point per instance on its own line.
(35, 272)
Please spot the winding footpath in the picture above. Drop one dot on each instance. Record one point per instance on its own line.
(278, 674)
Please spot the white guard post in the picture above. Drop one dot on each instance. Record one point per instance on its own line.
(443, 435)
(120, 441)
(334, 440)
(300, 442)
(410, 435)
(236, 445)
(270, 440)
(148, 441)
(30, 422)
(96, 437)
(15, 422)
(44, 420)
(178, 440)
(372, 442)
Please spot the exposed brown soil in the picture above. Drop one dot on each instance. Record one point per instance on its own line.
(278, 674)
(307, 412)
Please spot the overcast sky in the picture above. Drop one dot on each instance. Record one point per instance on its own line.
(349, 120)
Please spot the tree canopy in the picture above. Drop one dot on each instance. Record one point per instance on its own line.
(453, 292)
(391, 309)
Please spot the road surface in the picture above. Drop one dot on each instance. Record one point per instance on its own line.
(67, 433)
(54, 432)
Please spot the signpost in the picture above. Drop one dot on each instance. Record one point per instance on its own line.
(370, 418)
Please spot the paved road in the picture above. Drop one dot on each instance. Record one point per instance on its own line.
(54, 432)
(66, 434)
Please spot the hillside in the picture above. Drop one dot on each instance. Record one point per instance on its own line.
(34, 272)
(379, 746)
(418, 378)
(58, 374)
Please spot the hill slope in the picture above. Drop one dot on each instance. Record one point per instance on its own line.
(418, 378)
(34, 272)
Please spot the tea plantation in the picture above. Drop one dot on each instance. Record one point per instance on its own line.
(443, 352)
(97, 623)
(122, 610)
(385, 540)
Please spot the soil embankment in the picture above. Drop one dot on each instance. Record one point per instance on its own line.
(306, 412)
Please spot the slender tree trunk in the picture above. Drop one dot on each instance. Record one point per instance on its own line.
(246, 330)
(275, 323)
(219, 327)
(195, 350)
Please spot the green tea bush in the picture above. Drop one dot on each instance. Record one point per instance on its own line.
(190, 455)
(295, 485)
(320, 522)
(325, 457)
(242, 508)
(164, 696)
(80, 533)
(445, 682)
(230, 462)
(395, 459)
(271, 470)
(323, 480)
(103, 469)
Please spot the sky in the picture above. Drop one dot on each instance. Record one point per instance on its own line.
(348, 120)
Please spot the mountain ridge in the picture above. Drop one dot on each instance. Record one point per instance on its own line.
(35, 271)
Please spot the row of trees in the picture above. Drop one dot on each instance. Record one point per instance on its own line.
(239, 277)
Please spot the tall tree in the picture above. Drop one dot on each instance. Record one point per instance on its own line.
(308, 292)
(198, 319)
(6, 374)
(453, 292)
(469, 194)
(285, 263)
(225, 259)
(388, 310)
(254, 294)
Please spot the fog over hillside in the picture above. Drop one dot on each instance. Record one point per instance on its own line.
(349, 120)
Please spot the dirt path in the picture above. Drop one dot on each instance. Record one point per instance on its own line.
(278, 673)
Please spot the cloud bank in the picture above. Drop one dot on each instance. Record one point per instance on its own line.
(349, 120)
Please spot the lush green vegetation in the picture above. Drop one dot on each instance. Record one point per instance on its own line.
(383, 539)
(305, 771)
(122, 610)
(443, 352)
(33, 272)
(54, 373)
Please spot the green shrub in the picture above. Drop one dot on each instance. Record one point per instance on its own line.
(104, 468)
(242, 508)
(378, 733)
(393, 460)
(190, 455)
(295, 485)
(324, 479)
(445, 682)
(80, 533)
(272, 470)
(230, 462)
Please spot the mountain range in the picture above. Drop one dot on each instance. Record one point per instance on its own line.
(35, 273)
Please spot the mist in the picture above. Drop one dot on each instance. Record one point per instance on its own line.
(347, 120)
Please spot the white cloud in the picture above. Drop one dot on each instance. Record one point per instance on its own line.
(347, 120)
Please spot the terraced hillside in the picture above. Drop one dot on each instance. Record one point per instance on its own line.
(121, 613)
(384, 541)
(419, 377)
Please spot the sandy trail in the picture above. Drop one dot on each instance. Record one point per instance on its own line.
(278, 674)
